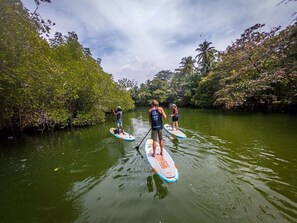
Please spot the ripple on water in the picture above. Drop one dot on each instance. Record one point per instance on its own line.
(234, 180)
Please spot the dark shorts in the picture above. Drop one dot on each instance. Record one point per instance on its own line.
(175, 118)
(119, 123)
(157, 134)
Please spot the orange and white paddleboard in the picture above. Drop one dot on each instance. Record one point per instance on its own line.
(164, 165)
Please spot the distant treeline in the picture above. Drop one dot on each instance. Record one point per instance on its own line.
(55, 82)
(49, 83)
(257, 72)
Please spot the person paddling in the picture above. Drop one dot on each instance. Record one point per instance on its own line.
(119, 121)
(156, 113)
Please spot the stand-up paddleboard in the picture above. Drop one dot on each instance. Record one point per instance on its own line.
(126, 136)
(177, 134)
(164, 165)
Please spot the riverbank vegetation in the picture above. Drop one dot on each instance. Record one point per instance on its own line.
(50, 83)
(257, 72)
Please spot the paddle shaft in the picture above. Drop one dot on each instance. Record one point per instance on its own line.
(137, 147)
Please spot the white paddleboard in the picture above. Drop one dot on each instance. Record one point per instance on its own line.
(164, 165)
(174, 133)
(122, 136)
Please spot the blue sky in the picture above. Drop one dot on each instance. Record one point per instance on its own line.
(138, 38)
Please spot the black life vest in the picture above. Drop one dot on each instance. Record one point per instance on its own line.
(156, 119)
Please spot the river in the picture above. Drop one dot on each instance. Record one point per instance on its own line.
(233, 167)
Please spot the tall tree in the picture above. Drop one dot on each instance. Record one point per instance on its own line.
(182, 82)
(126, 84)
(187, 66)
(205, 57)
(49, 85)
(164, 75)
(254, 70)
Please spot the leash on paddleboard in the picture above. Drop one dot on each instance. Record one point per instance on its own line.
(137, 147)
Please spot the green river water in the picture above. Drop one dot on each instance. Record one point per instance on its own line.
(233, 167)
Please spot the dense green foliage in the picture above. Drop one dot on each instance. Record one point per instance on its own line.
(258, 71)
(48, 85)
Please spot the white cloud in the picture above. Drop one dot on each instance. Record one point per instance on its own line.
(137, 39)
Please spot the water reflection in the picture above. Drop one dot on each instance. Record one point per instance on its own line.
(255, 165)
(150, 184)
(161, 189)
(232, 169)
(160, 186)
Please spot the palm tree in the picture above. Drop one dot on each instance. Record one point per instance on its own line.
(182, 81)
(187, 66)
(205, 57)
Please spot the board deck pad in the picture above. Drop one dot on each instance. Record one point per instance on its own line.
(121, 136)
(174, 133)
(164, 165)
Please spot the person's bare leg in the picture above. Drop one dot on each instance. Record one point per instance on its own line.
(154, 148)
(176, 125)
(161, 146)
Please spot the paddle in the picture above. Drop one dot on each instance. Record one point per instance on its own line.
(137, 147)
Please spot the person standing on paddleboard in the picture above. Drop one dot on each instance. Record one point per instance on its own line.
(174, 117)
(155, 116)
(119, 121)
